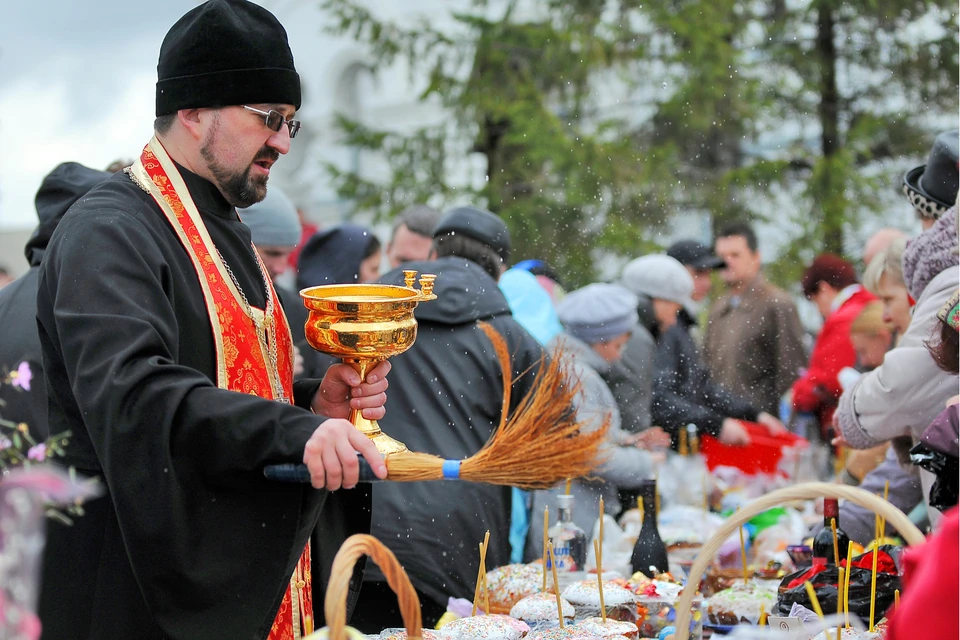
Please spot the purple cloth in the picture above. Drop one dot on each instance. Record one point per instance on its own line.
(930, 253)
(942, 433)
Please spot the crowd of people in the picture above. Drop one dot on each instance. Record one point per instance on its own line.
(161, 319)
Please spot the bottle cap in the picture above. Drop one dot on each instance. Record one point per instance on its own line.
(565, 501)
(831, 508)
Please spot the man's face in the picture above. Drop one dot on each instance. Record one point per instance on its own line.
(240, 149)
(743, 265)
(896, 303)
(701, 283)
(407, 246)
(274, 258)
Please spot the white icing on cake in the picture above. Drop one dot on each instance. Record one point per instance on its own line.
(743, 601)
(492, 627)
(610, 628)
(541, 607)
(586, 592)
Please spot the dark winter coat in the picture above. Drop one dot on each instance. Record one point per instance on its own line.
(683, 392)
(19, 341)
(445, 398)
(190, 541)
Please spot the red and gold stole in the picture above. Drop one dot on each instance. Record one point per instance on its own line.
(254, 349)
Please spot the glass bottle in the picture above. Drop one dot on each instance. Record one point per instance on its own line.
(569, 541)
(649, 553)
(823, 541)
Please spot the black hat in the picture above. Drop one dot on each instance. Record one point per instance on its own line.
(478, 224)
(932, 187)
(225, 53)
(691, 253)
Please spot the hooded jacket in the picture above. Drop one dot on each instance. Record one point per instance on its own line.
(903, 395)
(446, 394)
(19, 340)
(333, 256)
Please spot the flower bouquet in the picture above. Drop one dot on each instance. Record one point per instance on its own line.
(30, 490)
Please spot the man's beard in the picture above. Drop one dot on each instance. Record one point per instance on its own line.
(238, 187)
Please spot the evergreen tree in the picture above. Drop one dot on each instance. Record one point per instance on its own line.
(798, 112)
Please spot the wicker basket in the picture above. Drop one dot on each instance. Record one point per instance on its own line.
(335, 603)
(809, 491)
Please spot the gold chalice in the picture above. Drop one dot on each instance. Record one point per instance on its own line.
(364, 324)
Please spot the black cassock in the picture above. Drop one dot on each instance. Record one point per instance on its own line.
(190, 541)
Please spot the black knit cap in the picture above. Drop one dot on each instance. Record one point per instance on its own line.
(479, 224)
(225, 53)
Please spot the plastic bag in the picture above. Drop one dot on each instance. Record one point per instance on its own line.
(943, 492)
(825, 586)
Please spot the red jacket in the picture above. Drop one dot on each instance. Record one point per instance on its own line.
(818, 390)
(929, 602)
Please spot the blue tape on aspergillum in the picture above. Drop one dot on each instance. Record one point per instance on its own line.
(451, 469)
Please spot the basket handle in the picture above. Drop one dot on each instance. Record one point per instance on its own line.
(807, 491)
(335, 603)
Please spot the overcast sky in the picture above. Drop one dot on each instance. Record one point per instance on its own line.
(76, 83)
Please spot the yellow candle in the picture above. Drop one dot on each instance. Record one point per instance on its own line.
(556, 586)
(873, 586)
(546, 524)
(896, 598)
(846, 588)
(603, 608)
(840, 601)
(483, 563)
(813, 598)
(836, 546)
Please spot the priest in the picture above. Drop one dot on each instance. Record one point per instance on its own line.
(169, 361)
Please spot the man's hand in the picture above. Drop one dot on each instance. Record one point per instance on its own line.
(343, 390)
(773, 425)
(734, 433)
(331, 455)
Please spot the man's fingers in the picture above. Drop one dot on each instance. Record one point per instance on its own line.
(379, 372)
(364, 445)
(331, 467)
(348, 463)
(311, 458)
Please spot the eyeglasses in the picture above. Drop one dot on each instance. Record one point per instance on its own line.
(274, 120)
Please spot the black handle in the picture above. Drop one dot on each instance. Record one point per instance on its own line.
(299, 473)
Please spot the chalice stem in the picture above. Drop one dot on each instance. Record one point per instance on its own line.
(370, 428)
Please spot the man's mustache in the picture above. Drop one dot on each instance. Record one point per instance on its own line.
(267, 154)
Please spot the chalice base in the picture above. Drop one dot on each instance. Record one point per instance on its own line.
(370, 428)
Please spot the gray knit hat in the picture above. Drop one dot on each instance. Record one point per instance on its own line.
(659, 276)
(598, 312)
(273, 221)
